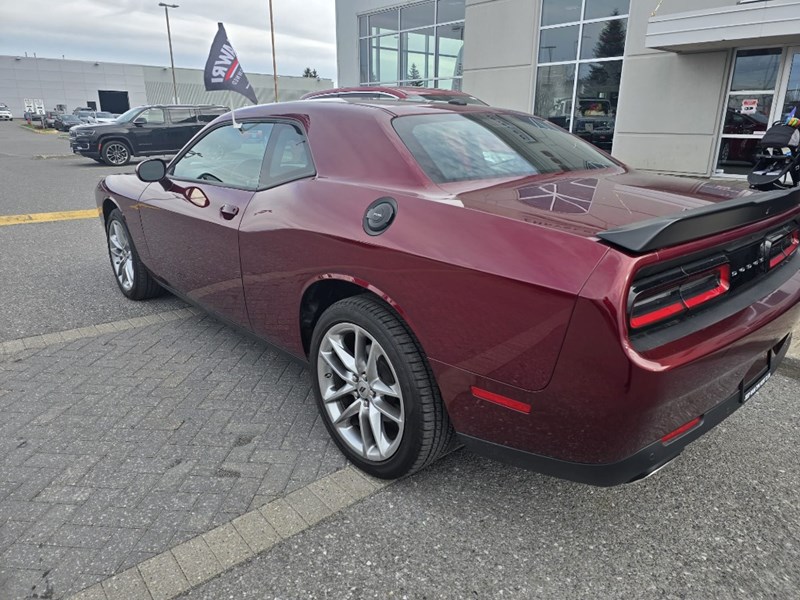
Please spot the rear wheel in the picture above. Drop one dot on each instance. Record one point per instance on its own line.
(116, 153)
(133, 278)
(375, 390)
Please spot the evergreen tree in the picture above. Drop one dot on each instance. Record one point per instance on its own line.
(414, 76)
(309, 72)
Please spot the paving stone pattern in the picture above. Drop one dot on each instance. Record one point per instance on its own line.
(116, 447)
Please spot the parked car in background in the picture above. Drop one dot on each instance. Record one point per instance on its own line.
(142, 131)
(5, 113)
(64, 121)
(103, 117)
(470, 270)
(410, 93)
(32, 117)
(50, 118)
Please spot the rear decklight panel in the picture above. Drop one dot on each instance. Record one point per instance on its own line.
(659, 299)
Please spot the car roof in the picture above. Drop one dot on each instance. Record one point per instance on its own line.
(397, 92)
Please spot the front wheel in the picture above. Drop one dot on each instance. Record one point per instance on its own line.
(375, 390)
(116, 154)
(133, 278)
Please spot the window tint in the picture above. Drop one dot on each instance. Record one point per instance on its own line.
(459, 147)
(227, 156)
(153, 116)
(206, 115)
(290, 157)
(181, 115)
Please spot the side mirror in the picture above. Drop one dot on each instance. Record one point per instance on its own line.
(139, 121)
(151, 170)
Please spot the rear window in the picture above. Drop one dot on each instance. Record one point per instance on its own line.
(180, 116)
(462, 147)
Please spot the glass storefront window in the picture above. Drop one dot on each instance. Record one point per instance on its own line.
(450, 10)
(560, 11)
(418, 52)
(749, 109)
(747, 114)
(604, 39)
(756, 69)
(554, 93)
(417, 15)
(383, 23)
(559, 44)
(792, 99)
(449, 53)
(581, 96)
(418, 44)
(598, 9)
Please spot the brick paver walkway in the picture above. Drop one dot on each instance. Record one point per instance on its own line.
(116, 447)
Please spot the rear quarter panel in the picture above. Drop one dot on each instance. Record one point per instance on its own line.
(485, 293)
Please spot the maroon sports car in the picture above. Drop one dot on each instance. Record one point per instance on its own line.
(467, 270)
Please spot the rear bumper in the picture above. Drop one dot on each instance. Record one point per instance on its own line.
(640, 464)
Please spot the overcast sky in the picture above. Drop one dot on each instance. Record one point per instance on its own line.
(134, 31)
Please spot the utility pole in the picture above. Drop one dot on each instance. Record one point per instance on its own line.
(169, 39)
(274, 64)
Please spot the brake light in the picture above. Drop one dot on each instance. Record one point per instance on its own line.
(783, 248)
(678, 295)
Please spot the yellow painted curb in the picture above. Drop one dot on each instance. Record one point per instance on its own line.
(70, 215)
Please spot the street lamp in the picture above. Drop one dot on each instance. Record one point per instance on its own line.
(169, 39)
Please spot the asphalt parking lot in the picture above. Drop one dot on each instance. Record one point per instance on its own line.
(147, 451)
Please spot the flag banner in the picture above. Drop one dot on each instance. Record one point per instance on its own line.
(223, 71)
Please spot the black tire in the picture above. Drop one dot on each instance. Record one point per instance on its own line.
(116, 153)
(427, 432)
(143, 286)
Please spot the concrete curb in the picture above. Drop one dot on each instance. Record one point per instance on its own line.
(202, 558)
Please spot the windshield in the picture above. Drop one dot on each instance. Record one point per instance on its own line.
(129, 115)
(462, 147)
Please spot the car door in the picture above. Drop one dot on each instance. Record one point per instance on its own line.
(147, 133)
(191, 219)
(182, 126)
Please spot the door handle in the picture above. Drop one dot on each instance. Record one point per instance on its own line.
(228, 211)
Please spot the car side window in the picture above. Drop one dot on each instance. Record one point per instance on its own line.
(206, 115)
(181, 116)
(227, 156)
(153, 116)
(290, 158)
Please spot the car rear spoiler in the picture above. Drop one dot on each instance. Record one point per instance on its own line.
(695, 223)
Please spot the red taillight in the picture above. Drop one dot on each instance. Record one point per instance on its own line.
(500, 400)
(681, 430)
(679, 296)
(784, 248)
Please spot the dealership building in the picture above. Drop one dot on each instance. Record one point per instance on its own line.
(115, 87)
(674, 86)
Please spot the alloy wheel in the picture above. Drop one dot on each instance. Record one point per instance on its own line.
(361, 392)
(119, 247)
(116, 153)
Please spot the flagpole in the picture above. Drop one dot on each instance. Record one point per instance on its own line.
(274, 64)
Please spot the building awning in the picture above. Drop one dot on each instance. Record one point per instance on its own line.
(748, 23)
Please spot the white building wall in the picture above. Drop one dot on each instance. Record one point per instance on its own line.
(670, 106)
(74, 83)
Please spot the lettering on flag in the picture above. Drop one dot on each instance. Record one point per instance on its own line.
(223, 70)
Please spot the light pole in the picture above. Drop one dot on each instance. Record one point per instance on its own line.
(169, 39)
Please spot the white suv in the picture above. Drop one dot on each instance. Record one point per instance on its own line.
(5, 113)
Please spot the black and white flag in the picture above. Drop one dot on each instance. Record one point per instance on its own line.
(223, 71)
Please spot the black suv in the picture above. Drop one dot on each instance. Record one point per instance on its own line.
(142, 131)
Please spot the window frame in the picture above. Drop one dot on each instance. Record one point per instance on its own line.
(268, 150)
(401, 78)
